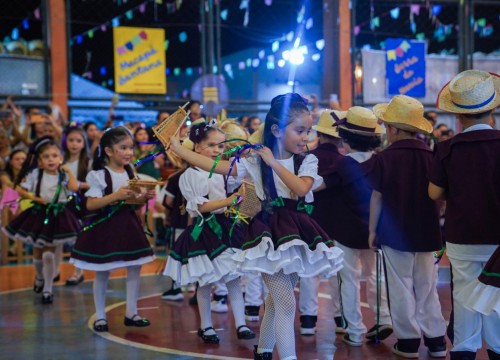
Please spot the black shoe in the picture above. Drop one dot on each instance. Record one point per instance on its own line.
(462, 355)
(209, 339)
(245, 334)
(101, 327)
(261, 356)
(437, 351)
(172, 295)
(252, 313)
(308, 324)
(47, 298)
(405, 353)
(193, 300)
(137, 323)
(72, 281)
(384, 331)
(57, 278)
(38, 286)
(493, 355)
(340, 325)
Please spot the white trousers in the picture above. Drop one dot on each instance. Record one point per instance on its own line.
(255, 289)
(360, 263)
(471, 327)
(308, 296)
(414, 301)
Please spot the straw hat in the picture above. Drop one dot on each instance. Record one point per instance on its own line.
(405, 113)
(328, 121)
(233, 131)
(470, 92)
(256, 137)
(362, 121)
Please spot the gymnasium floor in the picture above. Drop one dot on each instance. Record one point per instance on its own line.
(62, 330)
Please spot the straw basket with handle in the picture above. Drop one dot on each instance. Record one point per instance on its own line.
(170, 126)
(141, 187)
(250, 206)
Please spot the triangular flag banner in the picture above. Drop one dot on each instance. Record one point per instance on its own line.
(395, 13)
(481, 22)
(26, 24)
(244, 5)
(268, 2)
(488, 30)
(143, 35)
(276, 46)
(183, 37)
(436, 10)
(289, 36)
(129, 14)
(320, 44)
(223, 14)
(142, 8)
(309, 23)
(356, 31)
(415, 9)
(413, 27)
(15, 34)
(420, 36)
(241, 65)
(79, 39)
(90, 34)
(246, 20)
(37, 13)
(103, 27)
(115, 22)
(391, 55)
(405, 45)
(129, 46)
(399, 52)
(300, 15)
(165, 44)
(136, 40)
(382, 45)
(375, 22)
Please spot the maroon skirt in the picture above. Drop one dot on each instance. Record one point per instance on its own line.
(45, 225)
(116, 242)
(206, 258)
(289, 240)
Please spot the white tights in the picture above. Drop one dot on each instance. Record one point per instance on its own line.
(101, 285)
(278, 323)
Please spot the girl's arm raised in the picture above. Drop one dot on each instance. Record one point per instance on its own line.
(97, 203)
(213, 205)
(199, 160)
(72, 182)
(299, 185)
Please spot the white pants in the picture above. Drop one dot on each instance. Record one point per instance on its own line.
(471, 327)
(415, 306)
(308, 296)
(255, 289)
(220, 288)
(358, 263)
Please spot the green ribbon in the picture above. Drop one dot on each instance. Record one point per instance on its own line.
(301, 206)
(114, 209)
(228, 152)
(212, 224)
(55, 206)
(307, 208)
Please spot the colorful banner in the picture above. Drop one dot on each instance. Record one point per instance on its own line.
(405, 67)
(139, 60)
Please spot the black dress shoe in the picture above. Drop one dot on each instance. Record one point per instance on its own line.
(72, 281)
(101, 327)
(38, 288)
(138, 323)
(209, 339)
(245, 334)
(47, 298)
(57, 277)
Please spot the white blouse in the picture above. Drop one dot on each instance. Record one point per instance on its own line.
(48, 187)
(198, 189)
(73, 166)
(309, 167)
(97, 182)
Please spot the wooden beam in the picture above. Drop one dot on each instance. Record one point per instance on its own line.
(58, 43)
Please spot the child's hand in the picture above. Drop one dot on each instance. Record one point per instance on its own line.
(175, 143)
(39, 200)
(150, 194)
(235, 199)
(65, 168)
(371, 241)
(123, 193)
(266, 154)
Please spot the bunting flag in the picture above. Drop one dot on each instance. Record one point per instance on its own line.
(395, 13)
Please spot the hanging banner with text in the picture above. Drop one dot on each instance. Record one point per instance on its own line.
(139, 60)
(405, 67)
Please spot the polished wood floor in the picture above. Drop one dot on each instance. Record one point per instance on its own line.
(30, 330)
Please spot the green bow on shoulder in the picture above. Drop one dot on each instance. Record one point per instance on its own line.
(212, 224)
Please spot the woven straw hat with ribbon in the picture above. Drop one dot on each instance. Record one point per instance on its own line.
(470, 92)
(361, 121)
(328, 122)
(405, 113)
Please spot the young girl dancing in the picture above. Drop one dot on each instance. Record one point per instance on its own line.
(115, 238)
(203, 253)
(76, 157)
(282, 241)
(48, 223)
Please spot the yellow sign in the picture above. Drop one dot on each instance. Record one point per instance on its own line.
(139, 60)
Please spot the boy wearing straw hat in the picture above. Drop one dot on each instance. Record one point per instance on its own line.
(328, 157)
(404, 222)
(465, 173)
(348, 213)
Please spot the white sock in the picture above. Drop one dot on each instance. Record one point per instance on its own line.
(237, 302)
(100, 286)
(48, 271)
(58, 254)
(203, 296)
(133, 282)
(38, 269)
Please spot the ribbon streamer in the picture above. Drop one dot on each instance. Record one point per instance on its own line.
(113, 210)
(438, 255)
(151, 156)
(54, 205)
(212, 224)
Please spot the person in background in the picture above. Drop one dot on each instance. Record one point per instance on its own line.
(253, 124)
